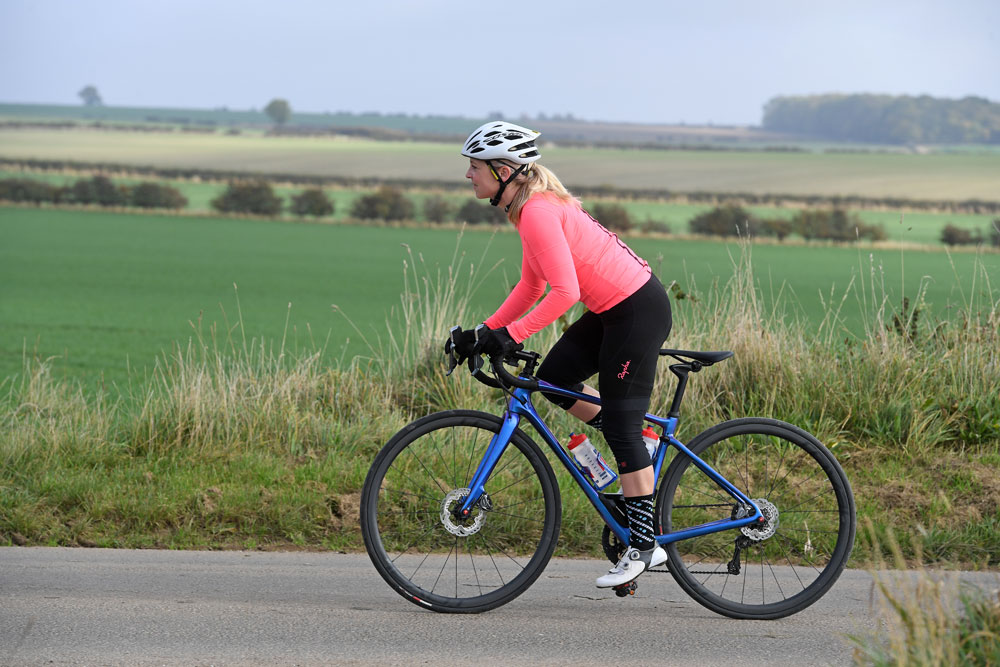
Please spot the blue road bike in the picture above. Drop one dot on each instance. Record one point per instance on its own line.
(461, 510)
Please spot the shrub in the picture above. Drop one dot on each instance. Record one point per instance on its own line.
(613, 216)
(252, 197)
(835, 225)
(98, 190)
(474, 213)
(651, 226)
(312, 201)
(952, 235)
(995, 233)
(777, 227)
(155, 195)
(814, 224)
(872, 232)
(437, 208)
(725, 220)
(386, 203)
(24, 190)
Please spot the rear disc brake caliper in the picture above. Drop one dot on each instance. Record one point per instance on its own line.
(754, 533)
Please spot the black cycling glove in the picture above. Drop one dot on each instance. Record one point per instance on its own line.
(461, 343)
(496, 343)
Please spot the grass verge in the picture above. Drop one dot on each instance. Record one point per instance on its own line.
(241, 443)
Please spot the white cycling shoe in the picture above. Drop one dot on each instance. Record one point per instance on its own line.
(633, 563)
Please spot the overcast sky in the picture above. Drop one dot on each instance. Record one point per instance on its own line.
(643, 61)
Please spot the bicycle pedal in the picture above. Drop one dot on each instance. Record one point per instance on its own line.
(625, 589)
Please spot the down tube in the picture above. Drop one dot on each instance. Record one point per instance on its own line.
(521, 404)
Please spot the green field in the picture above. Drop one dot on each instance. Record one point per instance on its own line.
(109, 291)
(934, 176)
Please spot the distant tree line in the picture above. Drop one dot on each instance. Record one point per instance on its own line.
(975, 206)
(886, 119)
(821, 225)
(388, 203)
(98, 190)
(831, 225)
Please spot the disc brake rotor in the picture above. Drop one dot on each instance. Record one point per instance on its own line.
(761, 531)
(463, 527)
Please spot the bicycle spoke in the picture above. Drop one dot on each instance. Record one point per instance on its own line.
(496, 492)
(786, 561)
(452, 562)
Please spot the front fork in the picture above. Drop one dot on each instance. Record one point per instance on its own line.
(495, 450)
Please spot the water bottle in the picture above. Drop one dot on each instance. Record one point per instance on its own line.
(591, 460)
(651, 439)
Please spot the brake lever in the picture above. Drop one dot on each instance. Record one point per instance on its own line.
(453, 361)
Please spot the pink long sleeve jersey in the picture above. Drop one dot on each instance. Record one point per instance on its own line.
(564, 246)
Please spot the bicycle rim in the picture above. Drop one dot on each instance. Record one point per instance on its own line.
(769, 570)
(424, 552)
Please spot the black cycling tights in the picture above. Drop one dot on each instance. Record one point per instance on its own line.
(621, 345)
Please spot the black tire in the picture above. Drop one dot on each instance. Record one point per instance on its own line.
(413, 542)
(780, 573)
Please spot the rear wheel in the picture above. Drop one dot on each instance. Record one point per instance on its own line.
(427, 554)
(770, 570)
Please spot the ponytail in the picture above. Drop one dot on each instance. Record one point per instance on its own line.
(535, 179)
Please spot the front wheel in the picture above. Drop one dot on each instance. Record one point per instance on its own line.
(768, 570)
(439, 561)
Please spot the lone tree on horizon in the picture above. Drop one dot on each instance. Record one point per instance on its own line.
(90, 96)
(278, 110)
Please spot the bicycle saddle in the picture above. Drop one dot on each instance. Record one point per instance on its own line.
(705, 358)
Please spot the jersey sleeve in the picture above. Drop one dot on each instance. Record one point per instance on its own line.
(548, 257)
(525, 293)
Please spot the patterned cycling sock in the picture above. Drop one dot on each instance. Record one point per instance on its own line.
(597, 422)
(639, 510)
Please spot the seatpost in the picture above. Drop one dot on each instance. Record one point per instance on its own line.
(681, 371)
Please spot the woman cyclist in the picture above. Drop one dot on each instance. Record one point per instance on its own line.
(618, 338)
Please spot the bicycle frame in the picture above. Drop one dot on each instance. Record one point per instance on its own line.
(520, 406)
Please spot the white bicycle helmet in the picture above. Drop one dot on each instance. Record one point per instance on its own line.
(500, 140)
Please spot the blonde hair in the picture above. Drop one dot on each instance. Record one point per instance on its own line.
(535, 179)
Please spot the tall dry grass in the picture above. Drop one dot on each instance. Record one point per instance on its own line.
(909, 381)
(927, 619)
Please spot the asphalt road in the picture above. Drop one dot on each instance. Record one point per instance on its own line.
(109, 607)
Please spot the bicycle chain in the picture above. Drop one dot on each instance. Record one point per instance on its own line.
(666, 570)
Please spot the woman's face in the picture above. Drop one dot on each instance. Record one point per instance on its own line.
(484, 183)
